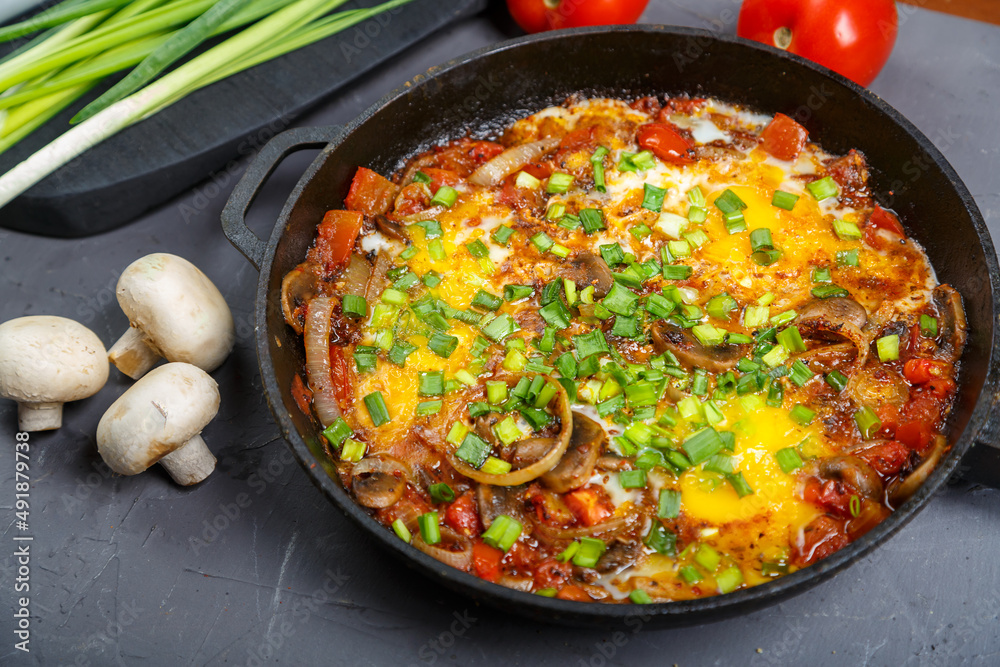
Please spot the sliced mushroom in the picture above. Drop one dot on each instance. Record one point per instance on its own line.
(829, 315)
(577, 465)
(620, 555)
(496, 500)
(379, 481)
(588, 269)
(393, 230)
(850, 470)
(690, 352)
(530, 450)
(378, 279)
(952, 325)
(298, 287)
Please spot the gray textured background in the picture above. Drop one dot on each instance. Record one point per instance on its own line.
(128, 571)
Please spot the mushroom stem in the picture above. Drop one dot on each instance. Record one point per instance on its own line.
(39, 416)
(190, 463)
(132, 354)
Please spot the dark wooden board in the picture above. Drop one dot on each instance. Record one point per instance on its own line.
(148, 163)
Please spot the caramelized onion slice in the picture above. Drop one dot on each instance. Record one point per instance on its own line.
(901, 492)
(539, 467)
(317, 343)
(512, 159)
(453, 549)
(379, 481)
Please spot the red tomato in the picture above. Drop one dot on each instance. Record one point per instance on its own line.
(550, 573)
(486, 561)
(914, 434)
(852, 37)
(590, 505)
(665, 142)
(887, 458)
(883, 219)
(335, 239)
(370, 193)
(783, 137)
(462, 516)
(540, 15)
(301, 395)
(922, 371)
(340, 373)
(832, 496)
(441, 177)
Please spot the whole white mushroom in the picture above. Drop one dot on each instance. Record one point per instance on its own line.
(159, 420)
(46, 361)
(174, 311)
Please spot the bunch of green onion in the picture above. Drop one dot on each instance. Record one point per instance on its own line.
(81, 42)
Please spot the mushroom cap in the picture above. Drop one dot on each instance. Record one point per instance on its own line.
(49, 359)
(181, 312)
(158, 414)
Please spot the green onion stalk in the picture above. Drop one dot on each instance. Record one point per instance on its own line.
(290, 27)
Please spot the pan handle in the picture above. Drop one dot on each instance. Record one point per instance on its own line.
(263, 165)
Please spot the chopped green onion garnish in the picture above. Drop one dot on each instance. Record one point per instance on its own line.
(652, 199)
(353, 450)
(590, 551)
(495, 466)
(729, 202)
(800, 373)
(669, 505)
(430, 383)
(802, 415)
(592, 220)
(846, 231)
(867, 421)
(720, 306)
(837, 380)
(729, 580)
(421, 177)
(791, 339)
(643, 160)
(697, 214)
(632, 479)
(760, 239)
(784, 200)
(695, 196)
(502, 234)
(823, 188)
(496, 391)
(559, 183)
(888, 348)
(621, 300)
(829, 291)
(735, 222)
(441, 493)
(639, 596)
(847, 257)
(394, 297)
(337, 432)
(708, 335)
(542, 241)
(400, 351)
(376, 408)
(503, 533)
(821, 275)
(442, 344)
(430, 529)
(928, 326)
(507, 431)
(707, 557)
(354, 306)
(788, 459)
(486, 301)
(473, 450)
(409, 253)
(500, 327)
(432, 279)
(690, 574)
(590, 343)
(517, 292)
(436, 250)
(445, 196)
(526, 180)
(432, 228)
(597, 162)
(398, 527)
(700, 446)
(425, 408)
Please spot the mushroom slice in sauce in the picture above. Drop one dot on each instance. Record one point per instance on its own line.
(379, 481)
(577, 465)
(588, 269)
(690, 352)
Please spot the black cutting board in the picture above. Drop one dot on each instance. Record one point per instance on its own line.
(150, 162)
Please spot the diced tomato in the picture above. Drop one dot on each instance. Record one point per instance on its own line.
(340, 373)
(335, 239)
(370, 193)
(550, 573)
(887, 458)
(922, 371)
(549, 507)
(462, 515)
(441, 177)
(683, 105)
(539, 171)
(301, 394)
(577, 140)
(914, 434)
(486, 561)
(831, 495)
(889, 416)
(413, 198)
(823, 536)
(574, 593)
(665, 142)
(883, 219)
(783, 137)
(515, 197)
(590, 505)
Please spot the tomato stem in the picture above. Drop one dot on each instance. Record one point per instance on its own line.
(783, 38)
